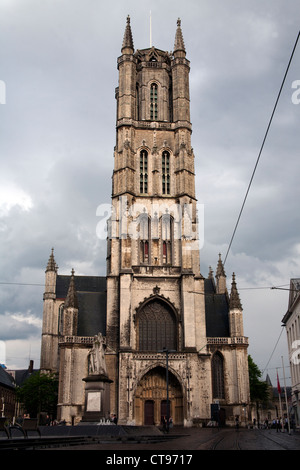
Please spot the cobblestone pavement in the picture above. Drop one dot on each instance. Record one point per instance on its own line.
(206, 439)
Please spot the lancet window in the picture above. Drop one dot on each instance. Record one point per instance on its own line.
(217, 367)
(165, 173)
(144, 172)
(153, 101)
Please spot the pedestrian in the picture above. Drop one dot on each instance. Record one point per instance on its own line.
(236, 422)
(278, 425)
(48, 420)
(266, 424)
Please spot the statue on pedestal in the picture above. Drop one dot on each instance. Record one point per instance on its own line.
(97, 401)
(96, 358)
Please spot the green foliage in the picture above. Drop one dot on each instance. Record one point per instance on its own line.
(39, 394)
(258, 388)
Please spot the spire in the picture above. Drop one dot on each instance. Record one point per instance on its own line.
(221, 277)
(234, 300)
(220, 268)
(127, 46)
(179, 43)
(51, 266)
(71, 299)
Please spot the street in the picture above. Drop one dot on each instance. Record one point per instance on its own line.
(205, 439)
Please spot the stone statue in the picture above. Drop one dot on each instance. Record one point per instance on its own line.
(96, 356)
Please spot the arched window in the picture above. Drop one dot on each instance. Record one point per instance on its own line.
(167, 238)
(156, 327)
(61, 319)
(165, 165)
(153, 101)
(137, 109)
(217, 368)
(144, 172)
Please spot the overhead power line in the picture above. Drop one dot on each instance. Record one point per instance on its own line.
(262, 146)
(273, 351)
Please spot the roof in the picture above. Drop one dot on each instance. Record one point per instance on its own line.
(91, 296)
(216, 311)
(6, 379)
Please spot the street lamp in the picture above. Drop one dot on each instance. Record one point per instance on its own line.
(167, 351)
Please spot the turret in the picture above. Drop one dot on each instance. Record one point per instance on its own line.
(126, 92)
(180, 78)
(50, 321)
(235, 311)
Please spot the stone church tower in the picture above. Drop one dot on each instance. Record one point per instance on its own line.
(175, 340)
(156, 297)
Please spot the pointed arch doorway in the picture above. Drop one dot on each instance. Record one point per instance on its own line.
(150, 401)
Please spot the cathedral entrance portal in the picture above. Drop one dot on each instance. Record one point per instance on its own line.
(150, 402)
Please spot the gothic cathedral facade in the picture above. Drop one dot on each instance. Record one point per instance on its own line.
(175, 344)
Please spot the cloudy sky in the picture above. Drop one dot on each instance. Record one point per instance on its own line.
(57, 133)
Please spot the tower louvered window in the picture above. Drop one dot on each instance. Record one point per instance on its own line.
(166, 173)
(153, 102)
(143, 172)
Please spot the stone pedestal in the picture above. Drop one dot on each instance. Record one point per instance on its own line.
(96, 398)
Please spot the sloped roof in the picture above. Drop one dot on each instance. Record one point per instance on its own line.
(6, 379)
(216, 311)
(91, 295)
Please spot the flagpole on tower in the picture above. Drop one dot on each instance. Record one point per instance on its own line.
(286, 401)
(150, 30)
(279, 394)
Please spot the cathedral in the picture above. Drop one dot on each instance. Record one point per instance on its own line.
(174, 340)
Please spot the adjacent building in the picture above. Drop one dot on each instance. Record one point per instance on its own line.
(291, 321)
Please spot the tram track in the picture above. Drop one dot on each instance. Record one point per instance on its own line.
(278, 441)
(253, 440)
(225, 439)
(226, 442)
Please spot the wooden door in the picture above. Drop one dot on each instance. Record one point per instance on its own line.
(149, 412)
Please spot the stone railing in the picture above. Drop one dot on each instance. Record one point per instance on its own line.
(228, 340)
(161, 270)
(76, 340)
(158, 356)
(145, 124)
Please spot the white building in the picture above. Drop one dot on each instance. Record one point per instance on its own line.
(291, 320)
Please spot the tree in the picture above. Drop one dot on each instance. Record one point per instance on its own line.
(259, 390)
(39, 394)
